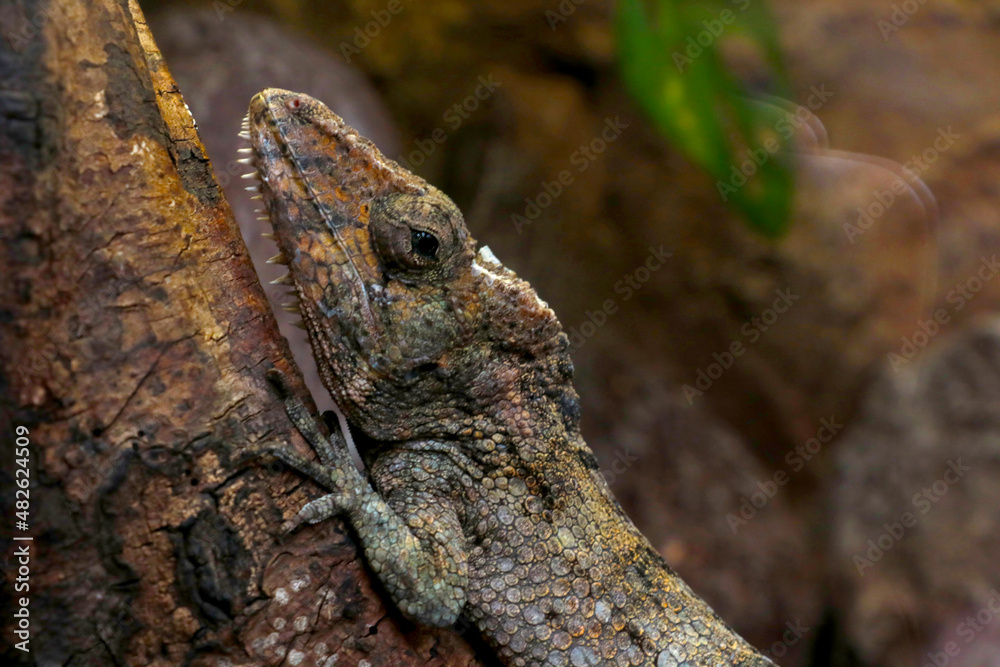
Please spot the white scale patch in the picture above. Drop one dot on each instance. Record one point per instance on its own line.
(480, 271)
(487, 257)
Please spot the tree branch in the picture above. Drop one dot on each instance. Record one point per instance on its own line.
(134, 337)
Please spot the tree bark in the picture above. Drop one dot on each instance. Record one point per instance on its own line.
(134, 337)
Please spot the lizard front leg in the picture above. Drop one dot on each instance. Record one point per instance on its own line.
(412, 541)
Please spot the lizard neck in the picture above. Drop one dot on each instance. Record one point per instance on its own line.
(540, 414)
(533, 431)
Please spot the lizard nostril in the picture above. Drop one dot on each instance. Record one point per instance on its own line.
(294, 103)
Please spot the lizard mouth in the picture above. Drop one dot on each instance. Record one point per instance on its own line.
(260, 208)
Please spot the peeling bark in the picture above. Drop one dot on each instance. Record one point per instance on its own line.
(134, 336)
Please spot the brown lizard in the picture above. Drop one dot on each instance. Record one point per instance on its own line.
(481, 498)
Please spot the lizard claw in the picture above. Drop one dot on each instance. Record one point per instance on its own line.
(289, 526)
(315, 511)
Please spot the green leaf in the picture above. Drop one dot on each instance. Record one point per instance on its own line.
(669, 53)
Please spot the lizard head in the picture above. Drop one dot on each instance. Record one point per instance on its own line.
(415, 333)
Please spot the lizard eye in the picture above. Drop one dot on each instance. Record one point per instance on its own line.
(423, 243)
(417, 237)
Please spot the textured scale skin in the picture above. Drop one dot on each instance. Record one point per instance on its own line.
(482, 499)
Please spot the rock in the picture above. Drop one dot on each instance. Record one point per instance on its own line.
(915, 505)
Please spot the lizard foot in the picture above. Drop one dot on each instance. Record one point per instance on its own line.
(332, 479)
(332, 452)
(329, 478)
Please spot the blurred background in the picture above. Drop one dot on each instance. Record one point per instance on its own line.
(771, 233)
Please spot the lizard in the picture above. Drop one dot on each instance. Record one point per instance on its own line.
(480, 499)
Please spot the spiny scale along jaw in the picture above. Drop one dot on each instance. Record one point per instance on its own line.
(318, 179)
(405, 320)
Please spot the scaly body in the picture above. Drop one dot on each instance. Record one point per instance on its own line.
(482, 499)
